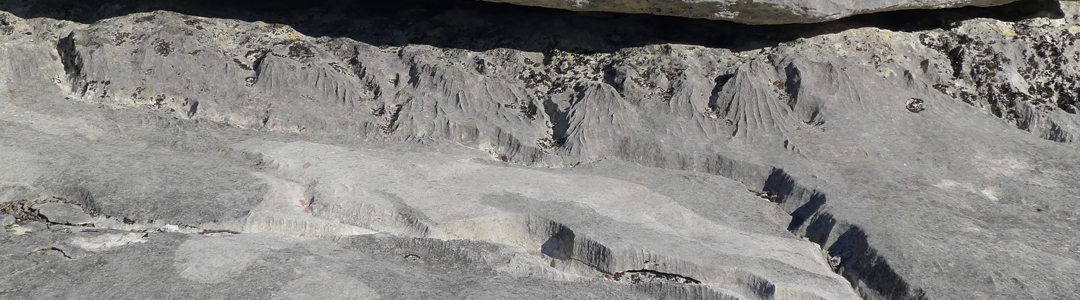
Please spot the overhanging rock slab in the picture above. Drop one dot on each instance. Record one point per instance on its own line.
(754, 11)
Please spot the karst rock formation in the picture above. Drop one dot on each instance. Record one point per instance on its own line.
(608, 149)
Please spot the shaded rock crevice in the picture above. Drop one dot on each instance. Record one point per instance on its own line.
(855, 259)
(845, 245)
(659, 276)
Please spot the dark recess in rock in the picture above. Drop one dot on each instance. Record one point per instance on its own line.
(858, 261)
(468, 24)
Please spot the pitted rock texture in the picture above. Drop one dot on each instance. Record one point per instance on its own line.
(753, 11)
(932, 160)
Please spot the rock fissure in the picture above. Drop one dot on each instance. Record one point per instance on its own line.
(45, 249)
(645, 276)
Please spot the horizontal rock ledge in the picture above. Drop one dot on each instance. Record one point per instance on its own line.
(756, 12)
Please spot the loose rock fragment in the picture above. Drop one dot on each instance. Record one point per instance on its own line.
(24, 211)
(63, 213)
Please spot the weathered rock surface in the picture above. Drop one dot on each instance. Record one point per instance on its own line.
(267, 266)
(753, 12)
(931, 160)
(63, 213)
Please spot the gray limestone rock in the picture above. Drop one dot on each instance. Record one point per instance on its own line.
(63, 213)
(753, 12)
(488, 151)
(268, 266)
(6, 220)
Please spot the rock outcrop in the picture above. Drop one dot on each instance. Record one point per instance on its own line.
(477, 150)
(753, 11)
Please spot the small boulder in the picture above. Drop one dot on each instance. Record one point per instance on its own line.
(63, 213)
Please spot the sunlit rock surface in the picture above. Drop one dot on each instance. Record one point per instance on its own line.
(753, 11)
(474, 150)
